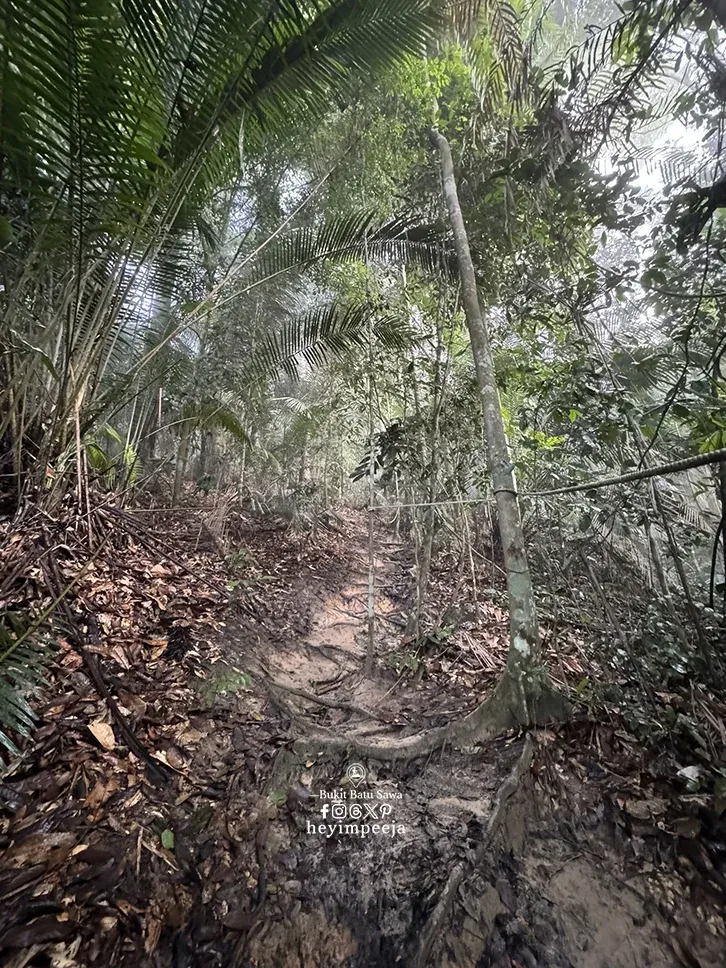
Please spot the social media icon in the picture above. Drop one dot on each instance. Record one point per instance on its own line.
(338, 811)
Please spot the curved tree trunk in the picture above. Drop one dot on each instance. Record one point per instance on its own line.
(525, 686)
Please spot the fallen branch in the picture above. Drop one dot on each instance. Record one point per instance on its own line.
(446, 900)
(54, 584)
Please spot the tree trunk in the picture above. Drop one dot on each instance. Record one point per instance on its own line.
(302, 472)
(181, 465)
(662, 579)
(718, 9)
(148, 431)
(423, 565)
(722, 499)
(371, 646)
(525, 687)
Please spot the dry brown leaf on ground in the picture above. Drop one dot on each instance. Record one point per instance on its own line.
(645, 809)
(101, 792)
(104, 734)
(152, 933)
(50, 848)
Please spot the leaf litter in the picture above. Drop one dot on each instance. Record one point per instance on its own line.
(209, 862)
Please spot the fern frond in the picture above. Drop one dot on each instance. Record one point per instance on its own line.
(23, 659)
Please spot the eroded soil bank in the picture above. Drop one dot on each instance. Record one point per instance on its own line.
(243, 855)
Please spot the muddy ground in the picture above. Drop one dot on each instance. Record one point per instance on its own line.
(240, 854)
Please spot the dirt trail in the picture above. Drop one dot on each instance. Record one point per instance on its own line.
(329, 660)
(553, 892)
(248, 856)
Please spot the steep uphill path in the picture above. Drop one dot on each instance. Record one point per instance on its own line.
(328, 662)
(507, 856)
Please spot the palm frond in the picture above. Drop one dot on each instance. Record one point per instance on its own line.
(490, 32)
(313, 337)
(353, 236)
(211, 414)
(293, 405)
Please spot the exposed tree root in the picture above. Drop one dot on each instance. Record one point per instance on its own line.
(446, 900)
(348, 707)
(500, 712)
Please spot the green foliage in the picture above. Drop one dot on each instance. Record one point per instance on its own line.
(221, 682)
(24, 656)
(121, 121)
(124, 466)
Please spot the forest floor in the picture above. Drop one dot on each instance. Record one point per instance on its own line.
(224, 850)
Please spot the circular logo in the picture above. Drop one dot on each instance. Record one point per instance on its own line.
(356, 773)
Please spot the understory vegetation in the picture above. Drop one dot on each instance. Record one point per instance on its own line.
(455, 268)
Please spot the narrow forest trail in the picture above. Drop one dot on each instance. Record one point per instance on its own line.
(332, 655)
(244, 854)
(329, 660)
(551, 891)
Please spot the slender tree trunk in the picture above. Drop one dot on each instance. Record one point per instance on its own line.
(525, 686)
(148, 430)
(722, 498)
(242, 468)
(657, 563)
(207, 448)
(181, 465)
(682, 577)
(303, 467)
(423, 565)
(371, 646)
(663, 583)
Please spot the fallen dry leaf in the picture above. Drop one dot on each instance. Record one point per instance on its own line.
(645, 809)
(159, 571)
(152, 933)
(103, 732)
(51, 847)
(175, 759)
(101, 792)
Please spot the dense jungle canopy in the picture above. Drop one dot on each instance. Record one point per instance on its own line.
(460, 264)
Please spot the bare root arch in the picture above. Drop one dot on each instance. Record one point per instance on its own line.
(496, 714)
